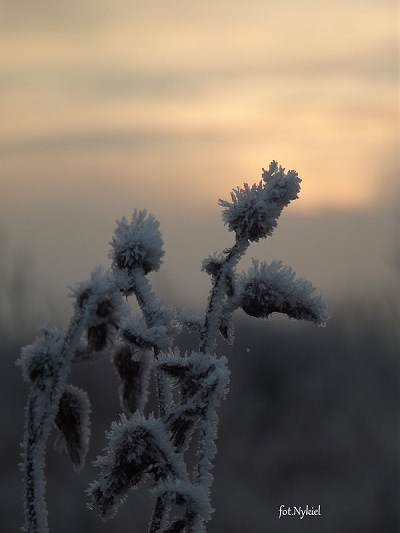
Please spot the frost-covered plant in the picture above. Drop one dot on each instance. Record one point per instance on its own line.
(189, 386)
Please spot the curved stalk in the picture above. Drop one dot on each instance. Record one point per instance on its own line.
(217, 296)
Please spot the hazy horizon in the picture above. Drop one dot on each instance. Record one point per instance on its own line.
(345, 255)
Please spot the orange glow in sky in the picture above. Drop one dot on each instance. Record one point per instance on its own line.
(107, 106)
(198, 97)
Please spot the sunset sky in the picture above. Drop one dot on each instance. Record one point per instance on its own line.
(168, 105)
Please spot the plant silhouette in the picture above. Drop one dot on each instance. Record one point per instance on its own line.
(189, 386)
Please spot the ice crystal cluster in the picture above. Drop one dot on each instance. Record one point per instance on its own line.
(189, 386)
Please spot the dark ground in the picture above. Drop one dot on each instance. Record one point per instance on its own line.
(312, 417)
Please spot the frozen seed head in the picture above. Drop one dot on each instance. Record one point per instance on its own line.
(137, 447)
(135, 331)
(200, 375)
(137, 243)
(37, 361)
(104, 306)
(254, 210)
(165, 327)
(280, 188)
(273, 288)
(213, 264)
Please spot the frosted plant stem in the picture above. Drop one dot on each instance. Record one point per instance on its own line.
(35, 506)
(41, 412)
(147, 300)
(208, 422)
(216, 300)
(150, 307)
(207, 448)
